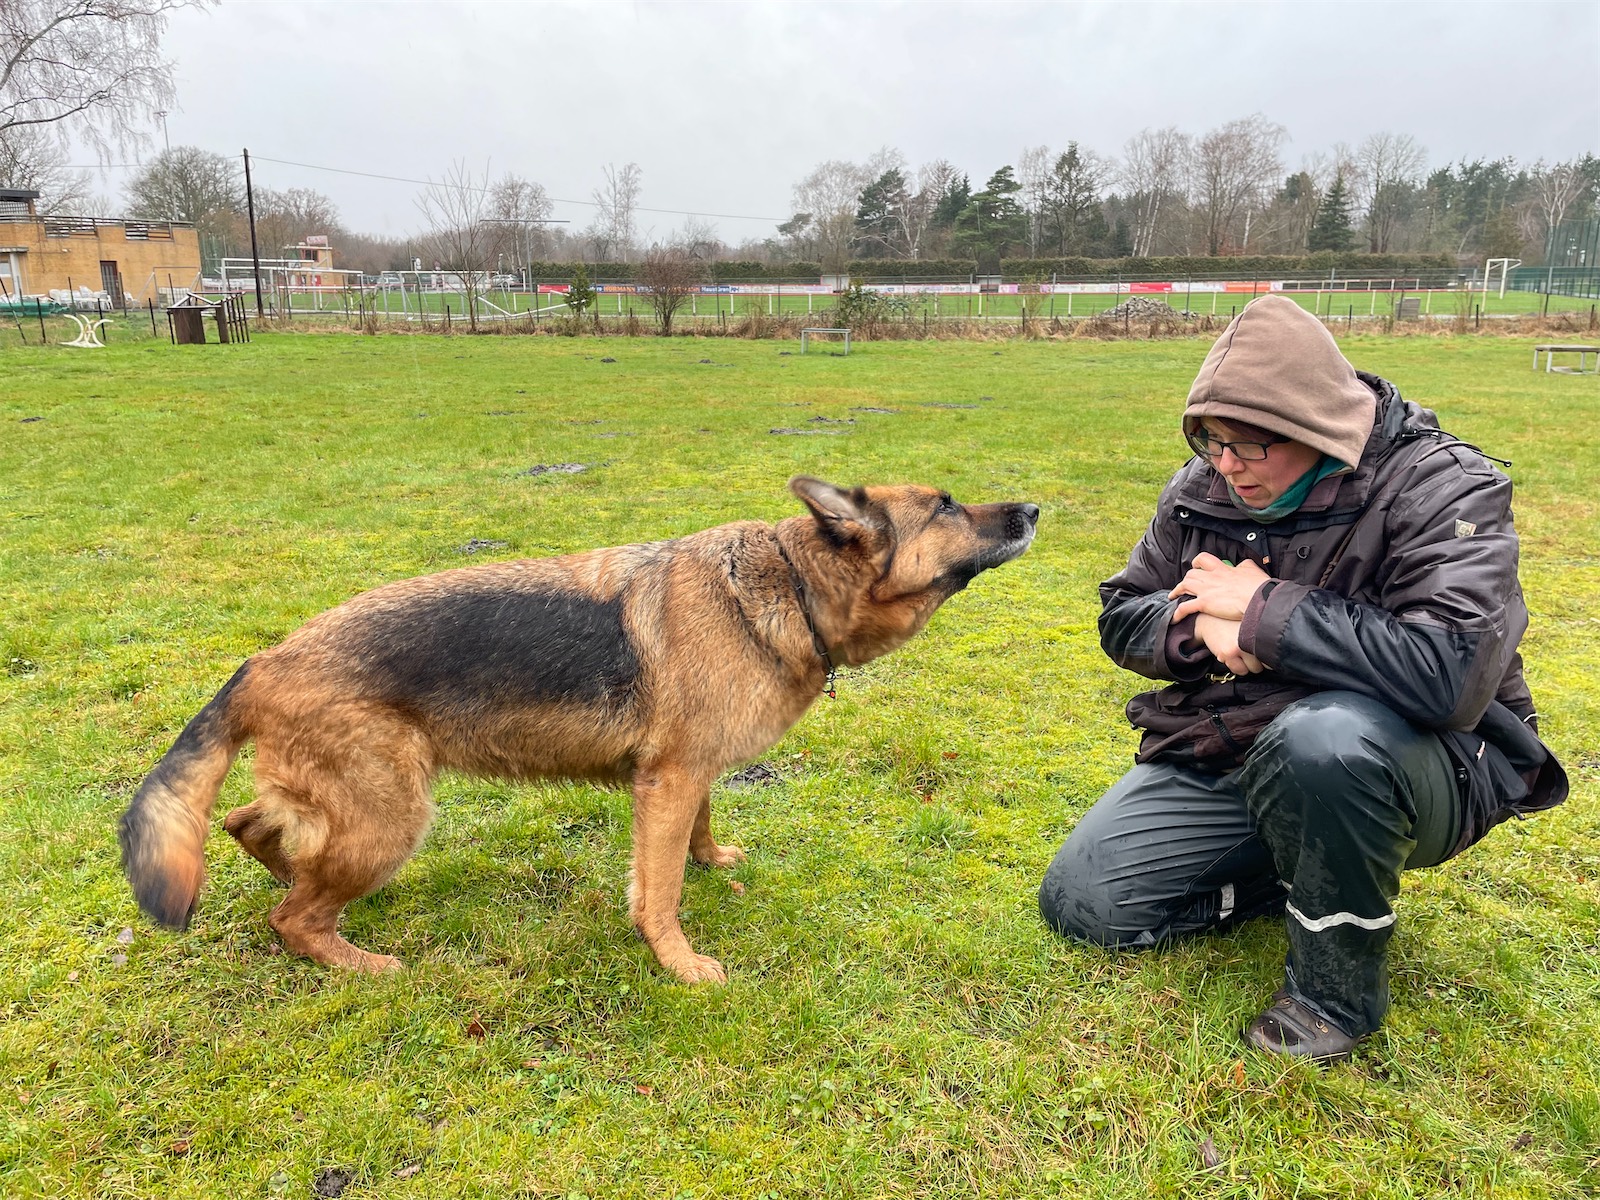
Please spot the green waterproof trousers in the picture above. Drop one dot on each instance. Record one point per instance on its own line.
(1334, 800)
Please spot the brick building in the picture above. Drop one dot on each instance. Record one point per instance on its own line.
(118, 256)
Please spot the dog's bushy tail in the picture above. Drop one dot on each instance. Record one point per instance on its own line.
(163, 833)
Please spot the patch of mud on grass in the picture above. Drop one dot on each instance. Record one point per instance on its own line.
(555, 469)
(757, 774)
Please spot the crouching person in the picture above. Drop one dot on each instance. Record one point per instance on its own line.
(1331, 586)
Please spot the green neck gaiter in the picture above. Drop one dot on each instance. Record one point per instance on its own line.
(1294, 497)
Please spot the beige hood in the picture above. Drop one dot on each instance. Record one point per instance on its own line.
(1277, 367)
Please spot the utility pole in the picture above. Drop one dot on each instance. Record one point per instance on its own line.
(255, 254)
(172, 199)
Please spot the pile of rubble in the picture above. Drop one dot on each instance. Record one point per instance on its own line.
(1144, 308)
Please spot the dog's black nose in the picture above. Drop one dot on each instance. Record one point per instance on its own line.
(1031, 511)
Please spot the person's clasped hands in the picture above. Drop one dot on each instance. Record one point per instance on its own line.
(1217, 593)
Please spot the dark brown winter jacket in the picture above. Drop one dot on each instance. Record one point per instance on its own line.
(1397, 580)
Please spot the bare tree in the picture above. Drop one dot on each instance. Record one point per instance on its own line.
(458, 239)
(373, 254)
(1155, 165)
(1033, 173)
(617, 200)
(519, 208)
(283, 219)
(828, 197)
(1554, 189)
(90, 67)
(698, 239)
(671, 277)
(187, 183)
(30, 158)
(1386, 168)
(1235, 166)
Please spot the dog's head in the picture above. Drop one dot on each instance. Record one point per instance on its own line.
(895, 554)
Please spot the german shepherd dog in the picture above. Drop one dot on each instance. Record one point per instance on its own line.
(659, 665)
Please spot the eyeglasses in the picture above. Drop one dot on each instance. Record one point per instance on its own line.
(1209, 445)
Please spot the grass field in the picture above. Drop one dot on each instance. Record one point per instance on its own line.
(387, 307)
(898, 1022)
(1352, 304)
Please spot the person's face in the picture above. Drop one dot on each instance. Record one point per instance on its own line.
(1262, 481)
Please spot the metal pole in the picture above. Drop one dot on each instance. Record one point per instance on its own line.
(16, 309)
(255, 253)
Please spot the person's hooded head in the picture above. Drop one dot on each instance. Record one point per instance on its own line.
(1276, 367)
(1274, 374)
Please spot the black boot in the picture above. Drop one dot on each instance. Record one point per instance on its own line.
(1294, 1028)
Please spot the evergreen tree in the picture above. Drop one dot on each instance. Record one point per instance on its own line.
(1122, 240)
(955, 199)
(880, 216)
(580, 294)
(1331, 230)
(993, 219)
(1074, 222)
(1501, 237)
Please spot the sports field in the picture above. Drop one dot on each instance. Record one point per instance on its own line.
(898, 1022)
(1357, 305)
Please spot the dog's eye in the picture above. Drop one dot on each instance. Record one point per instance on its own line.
(947, 505)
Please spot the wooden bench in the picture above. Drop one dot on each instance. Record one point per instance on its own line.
(805, 335)
(1551, 349)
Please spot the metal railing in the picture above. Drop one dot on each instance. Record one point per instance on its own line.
(134, 230)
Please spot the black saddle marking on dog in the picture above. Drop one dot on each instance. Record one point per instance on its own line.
(493, 649)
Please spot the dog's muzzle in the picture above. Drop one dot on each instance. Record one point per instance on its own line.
(1021, 522)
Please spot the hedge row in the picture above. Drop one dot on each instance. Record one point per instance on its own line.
(1261, 266)
(1253, 266)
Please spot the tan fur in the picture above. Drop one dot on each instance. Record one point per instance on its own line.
(713, 663)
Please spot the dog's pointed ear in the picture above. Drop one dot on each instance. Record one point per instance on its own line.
(835, 508)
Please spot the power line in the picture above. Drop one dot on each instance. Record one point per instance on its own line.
(675, 212)
(284, 162)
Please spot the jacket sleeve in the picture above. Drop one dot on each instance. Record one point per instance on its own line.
(1136, 629)
(1449, 614)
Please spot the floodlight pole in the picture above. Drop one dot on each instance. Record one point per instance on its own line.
(255, 254)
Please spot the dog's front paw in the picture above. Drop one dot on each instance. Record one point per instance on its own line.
(698, 968)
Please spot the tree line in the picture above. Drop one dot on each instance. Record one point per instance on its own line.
(1222, 193)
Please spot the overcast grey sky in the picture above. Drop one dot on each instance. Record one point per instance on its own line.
(725, 105)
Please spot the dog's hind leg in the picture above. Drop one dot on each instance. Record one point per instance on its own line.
(666, 805)
(355, 829)
(703, 847)
(253, 827)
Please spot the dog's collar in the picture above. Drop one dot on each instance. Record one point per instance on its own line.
(805, 611)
